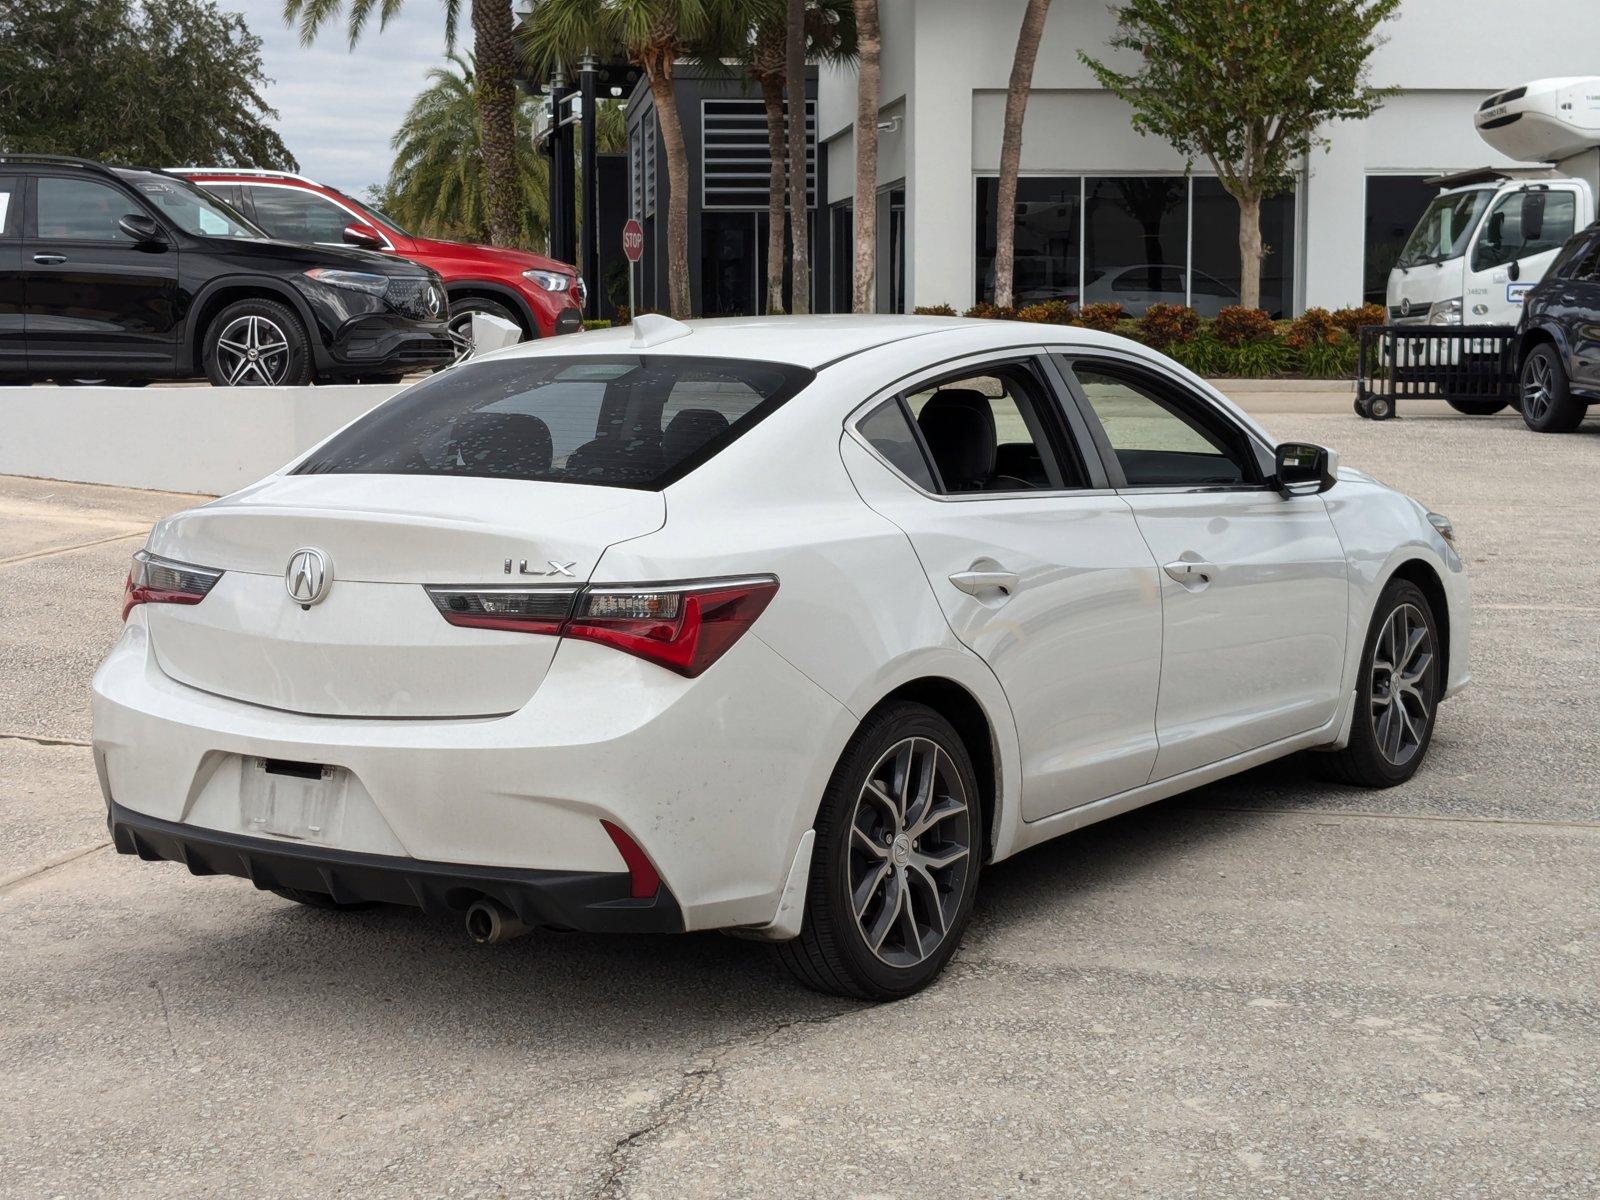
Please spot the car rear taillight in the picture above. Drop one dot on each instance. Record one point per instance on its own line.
(155, 580)
(684, 627)
(521, 610)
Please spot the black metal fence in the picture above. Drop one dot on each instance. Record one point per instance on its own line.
(1473, 368)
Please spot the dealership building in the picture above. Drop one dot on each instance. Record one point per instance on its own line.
(1103, 213)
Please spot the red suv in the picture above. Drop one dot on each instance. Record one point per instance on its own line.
(541, 295)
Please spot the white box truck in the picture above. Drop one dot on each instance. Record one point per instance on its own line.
(1491, 234)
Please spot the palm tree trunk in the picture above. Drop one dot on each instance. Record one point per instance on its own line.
(777, 187)
(869, 45)
(666, 103)
(494, 40)
(799, 209)
(1005, 241)
(1250, 254)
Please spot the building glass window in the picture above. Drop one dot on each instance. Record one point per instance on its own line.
(842, 255)
(1135, 241)
(1145, 240)
(891, 272)
(1045, 265)
(731, 256)
(1215, 249)
(1395, 203)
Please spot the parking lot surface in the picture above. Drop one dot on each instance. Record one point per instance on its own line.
(1271, 987)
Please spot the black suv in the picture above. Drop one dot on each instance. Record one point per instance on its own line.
(1559, 347)
(131, 275)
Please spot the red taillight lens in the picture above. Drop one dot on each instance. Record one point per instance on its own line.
(154, 580)
(682, 628)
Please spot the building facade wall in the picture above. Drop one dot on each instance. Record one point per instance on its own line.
(946, 64)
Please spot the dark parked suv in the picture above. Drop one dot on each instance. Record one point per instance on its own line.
(1559, 348)
(131, 275)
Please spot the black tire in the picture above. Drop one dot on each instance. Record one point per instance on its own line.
(460, 323)
(272, 325)
(1477, 408)
(1547, 402)
(1368, 761)
(832, 953)
(323, 901)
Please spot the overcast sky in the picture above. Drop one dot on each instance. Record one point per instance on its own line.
(337, 107)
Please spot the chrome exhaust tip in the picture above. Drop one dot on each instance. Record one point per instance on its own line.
(489, 922)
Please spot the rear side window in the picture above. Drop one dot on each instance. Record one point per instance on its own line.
(10, 207)
(634, 421)
(888, 431)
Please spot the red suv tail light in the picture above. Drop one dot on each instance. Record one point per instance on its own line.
(684, 627)
(154, 580)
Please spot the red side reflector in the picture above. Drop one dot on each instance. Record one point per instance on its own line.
(646, 882)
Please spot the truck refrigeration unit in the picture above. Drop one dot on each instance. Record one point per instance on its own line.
(1491, 234)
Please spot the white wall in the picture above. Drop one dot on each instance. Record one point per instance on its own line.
(951, 59)
(176, 439)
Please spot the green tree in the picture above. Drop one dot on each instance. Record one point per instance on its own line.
(830, 36)
(159, 83)
(437, 186)
(655, 35)
(494, 50)
(1247, 85)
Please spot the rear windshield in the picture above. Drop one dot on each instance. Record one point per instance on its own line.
(634, 421)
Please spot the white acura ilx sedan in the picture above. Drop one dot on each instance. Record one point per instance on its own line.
(785, 627)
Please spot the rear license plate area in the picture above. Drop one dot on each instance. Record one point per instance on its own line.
(291, 799)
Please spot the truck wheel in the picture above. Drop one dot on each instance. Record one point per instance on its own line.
(1477, 408)
(1548, 405)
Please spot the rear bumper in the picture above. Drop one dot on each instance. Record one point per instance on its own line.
(589, 901)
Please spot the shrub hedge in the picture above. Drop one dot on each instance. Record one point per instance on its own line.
(1237, 342)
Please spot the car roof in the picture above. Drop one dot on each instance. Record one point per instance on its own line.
(812, 342)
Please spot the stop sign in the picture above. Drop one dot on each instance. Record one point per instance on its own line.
(633, 240)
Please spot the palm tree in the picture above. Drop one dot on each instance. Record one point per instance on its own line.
(655, 35)
(794, 40)
(435, 185)
(866, 205)
(494, 36)
(1005, 234)
(830, 35)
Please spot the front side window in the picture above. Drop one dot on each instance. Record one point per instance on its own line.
(292, 215)
(1523, 224)
(1159, 440)
(636, 421)
(191, 209)
(1444, 229)
(81, 210)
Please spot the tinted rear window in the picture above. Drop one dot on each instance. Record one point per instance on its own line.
(636, 421)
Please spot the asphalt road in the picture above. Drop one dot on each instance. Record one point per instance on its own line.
(1272, 987)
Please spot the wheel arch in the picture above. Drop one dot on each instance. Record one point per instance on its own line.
(1421, 572)
(965, 712)
(485, 289)
(220, 293)
(1541, 335)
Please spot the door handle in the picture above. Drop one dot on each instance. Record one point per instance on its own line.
(976, 581)
(49, 260)
(1193, 575)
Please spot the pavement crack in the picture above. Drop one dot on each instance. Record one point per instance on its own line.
(699, 1081)
(39, 739)
(55, 550)
(166, 1015)
(60, 860)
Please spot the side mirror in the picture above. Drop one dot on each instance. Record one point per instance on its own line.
(143, 229)
(1532, 216)
(1514, 270)
(1303, 469)
(364, 236)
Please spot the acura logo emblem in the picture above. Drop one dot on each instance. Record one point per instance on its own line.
(308, 576)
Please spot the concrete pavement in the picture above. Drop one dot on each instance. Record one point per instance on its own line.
(1272, 987)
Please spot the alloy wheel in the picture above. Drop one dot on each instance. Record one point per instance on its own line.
(460, 329)
(1402, 663)
(910, 850)
(1536, 397)
(252, 349)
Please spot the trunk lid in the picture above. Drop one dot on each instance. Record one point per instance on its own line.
(375, 645)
